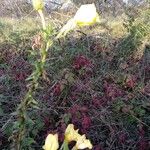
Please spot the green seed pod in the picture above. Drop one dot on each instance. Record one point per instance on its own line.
(38, 4)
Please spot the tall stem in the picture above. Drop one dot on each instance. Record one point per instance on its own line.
(42, 19)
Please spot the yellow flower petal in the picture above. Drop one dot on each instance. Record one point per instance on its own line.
(83, 143)
(71, 134)
(86, 15)
(51, 142)
(38, 4)
(70, 25)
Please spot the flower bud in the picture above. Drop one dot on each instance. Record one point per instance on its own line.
(51, 142)
(38, 4)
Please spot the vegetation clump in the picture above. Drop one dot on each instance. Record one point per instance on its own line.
(84, 89)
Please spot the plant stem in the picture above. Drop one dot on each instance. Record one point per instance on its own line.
(42, 19)
(28, 100)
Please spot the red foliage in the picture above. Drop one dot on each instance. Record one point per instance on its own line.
(56, 89)
(20, 69)
(20, 76)
(46, 121)
(143, 144)
(74, 109)
(141, 131)
(99, 101)
(131, 81)
(98, 147)
(61, 130)
(73, 97)
(1, 72)
(80, 117)
(112, 91)
(80, 86)
(97, 47)
(86, 122)
(81, 61)
(122, 137)
(146, 89)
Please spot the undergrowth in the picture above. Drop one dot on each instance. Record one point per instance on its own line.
(92, 80)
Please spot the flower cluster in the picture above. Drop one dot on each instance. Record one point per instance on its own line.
(51, 142)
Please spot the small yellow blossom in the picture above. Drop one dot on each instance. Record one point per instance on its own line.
(51, 142)
(83, 143)
(71, 134)
(38, 4)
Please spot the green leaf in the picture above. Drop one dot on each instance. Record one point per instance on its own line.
(1, 112)
(139, 111)
(8, 129)
(27, 141)
(67, 118)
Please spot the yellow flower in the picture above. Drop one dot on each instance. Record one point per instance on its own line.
(51, 142)
(86, 15)
(38, 4)
(71, 134)
(82, 143)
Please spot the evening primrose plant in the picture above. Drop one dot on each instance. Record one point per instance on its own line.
(21, 131)
(20, 134)
(51, 142)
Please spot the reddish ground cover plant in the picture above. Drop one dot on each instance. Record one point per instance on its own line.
(81, 62)
(112, 91)
(105, 99)
(86, 103)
